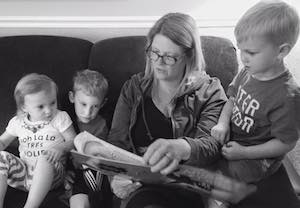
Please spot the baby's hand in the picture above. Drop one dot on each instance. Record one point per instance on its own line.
(123, 187)
(221, 133)
(53, 155)
(233, 151)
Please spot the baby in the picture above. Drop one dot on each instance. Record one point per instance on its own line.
(45, 135)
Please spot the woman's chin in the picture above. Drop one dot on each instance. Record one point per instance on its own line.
(161, 75)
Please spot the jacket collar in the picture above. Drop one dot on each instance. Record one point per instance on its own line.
(193, 82)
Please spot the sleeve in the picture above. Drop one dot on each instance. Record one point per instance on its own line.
(204, 148)
(285, 119)
(13, 126)
(101, 131)
(119, 131)
(61, 121)
(233, 86)
(294, 156)
(104, 130)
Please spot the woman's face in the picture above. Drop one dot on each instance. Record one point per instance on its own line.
(167, 59)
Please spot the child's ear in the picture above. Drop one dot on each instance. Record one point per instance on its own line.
(71, 96)
(23, 109)
(284, 50)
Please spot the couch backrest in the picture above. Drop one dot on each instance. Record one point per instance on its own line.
(57, 57)
(119, 58)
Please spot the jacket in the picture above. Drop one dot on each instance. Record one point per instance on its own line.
(195, 111)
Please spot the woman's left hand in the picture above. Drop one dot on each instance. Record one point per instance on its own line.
(164, 155)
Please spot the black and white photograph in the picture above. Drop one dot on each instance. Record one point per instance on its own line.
(149, 104)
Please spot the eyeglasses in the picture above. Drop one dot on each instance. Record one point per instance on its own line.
(168, 60)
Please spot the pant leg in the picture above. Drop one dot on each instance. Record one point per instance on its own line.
(20, 175)
(102, 197)
(249, 171)
(14, 169)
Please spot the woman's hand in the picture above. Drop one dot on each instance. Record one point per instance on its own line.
(123, 187)
(164, 155)
(233, 151)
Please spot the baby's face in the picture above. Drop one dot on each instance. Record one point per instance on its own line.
(86, 106)
(41, 106)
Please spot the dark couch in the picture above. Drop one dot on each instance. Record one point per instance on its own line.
(117, 59)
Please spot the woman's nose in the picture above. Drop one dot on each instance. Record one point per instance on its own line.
(160, 61)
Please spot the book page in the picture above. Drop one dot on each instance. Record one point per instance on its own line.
(108, 150)
(113, 160)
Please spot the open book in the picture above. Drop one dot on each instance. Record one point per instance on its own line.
(116, 161)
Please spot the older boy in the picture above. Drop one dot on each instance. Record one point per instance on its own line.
(261, 117)
(88, 96)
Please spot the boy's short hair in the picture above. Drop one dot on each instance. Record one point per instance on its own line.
(90, 82)
(275, 20)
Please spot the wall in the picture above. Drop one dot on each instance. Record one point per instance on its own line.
(98, 19)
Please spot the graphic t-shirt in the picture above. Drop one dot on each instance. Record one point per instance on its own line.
(264, 110)
(97, 127)
(36, 137)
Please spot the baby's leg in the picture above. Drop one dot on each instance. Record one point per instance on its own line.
(80, 192)
(43, 177)
(3, 187)
(14, 167)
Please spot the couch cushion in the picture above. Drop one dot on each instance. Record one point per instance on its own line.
(220, 57)
(119, 58)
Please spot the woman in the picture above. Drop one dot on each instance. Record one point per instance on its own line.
(166, 113)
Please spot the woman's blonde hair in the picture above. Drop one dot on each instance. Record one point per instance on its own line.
(275, 20)
(29, 84)
(182, 30)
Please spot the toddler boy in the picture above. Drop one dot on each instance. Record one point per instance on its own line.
(259, 123)
(88, 96)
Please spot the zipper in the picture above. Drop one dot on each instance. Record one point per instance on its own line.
(133, 119)
(173, 122)
(132, 122)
